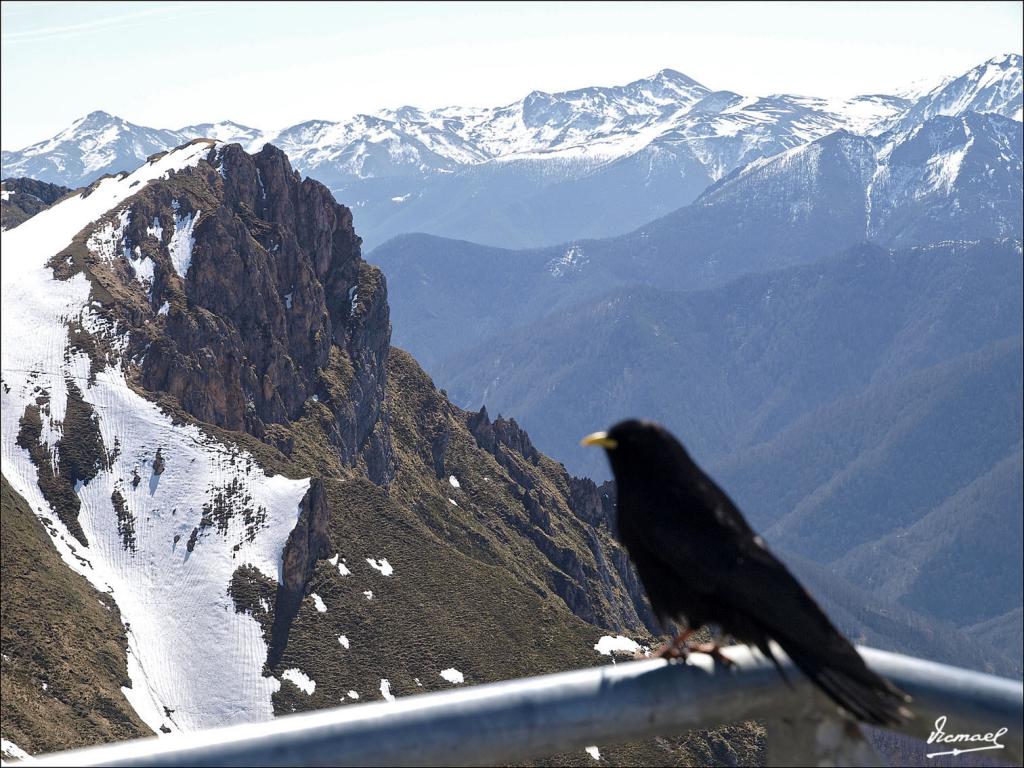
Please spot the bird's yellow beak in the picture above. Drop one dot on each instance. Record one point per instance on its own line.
(601, 439)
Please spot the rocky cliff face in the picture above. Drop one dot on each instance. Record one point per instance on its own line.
(592, 505)
(258, 301)
(309, 541)
(247, 302)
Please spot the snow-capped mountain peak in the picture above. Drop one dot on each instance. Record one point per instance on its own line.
(97, 116)
(674, 76)
(993, 86)
(101, 143)
(227, 131)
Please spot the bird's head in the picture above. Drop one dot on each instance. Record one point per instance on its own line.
(637, 447)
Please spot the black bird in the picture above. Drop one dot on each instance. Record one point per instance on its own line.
(701, 564)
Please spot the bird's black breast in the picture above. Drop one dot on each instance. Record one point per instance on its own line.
(673, 588)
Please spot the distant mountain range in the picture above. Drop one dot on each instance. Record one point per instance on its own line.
(100, 143)
(950, 178)
(731, 366)
(593, 162)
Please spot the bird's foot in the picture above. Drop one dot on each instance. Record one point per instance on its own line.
(670, 651)
(714, 650)
(675, 648)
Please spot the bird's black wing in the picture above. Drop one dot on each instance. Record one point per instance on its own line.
(784, 611)
(763, 600)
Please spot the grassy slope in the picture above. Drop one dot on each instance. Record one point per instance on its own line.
(59, 631)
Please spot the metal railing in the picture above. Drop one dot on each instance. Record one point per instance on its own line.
(629, 701)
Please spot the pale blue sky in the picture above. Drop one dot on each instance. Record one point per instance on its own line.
(168, 64)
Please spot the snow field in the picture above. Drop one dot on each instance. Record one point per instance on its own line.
(189, 651)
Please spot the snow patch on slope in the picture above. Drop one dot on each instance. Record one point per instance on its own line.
(106, 241)
(302, 681)
(572, 260)
(609, 645)
(382, 565)
(141, 697)
(342, 568)
(452, 675)
(10, 750)
(182, 241)
(944, 167)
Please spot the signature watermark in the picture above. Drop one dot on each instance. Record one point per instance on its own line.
(940, 737)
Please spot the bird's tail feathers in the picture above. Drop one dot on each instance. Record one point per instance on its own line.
(850, 684)
(764, 646)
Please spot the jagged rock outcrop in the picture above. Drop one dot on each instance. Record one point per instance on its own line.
(499, 437)
(511, 447)
(511, 435)
(501, 431)
(261, 299)
(479, 425)
(308, 542)
(593, 503)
